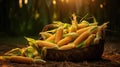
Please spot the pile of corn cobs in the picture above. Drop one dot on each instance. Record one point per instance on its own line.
(63, 36)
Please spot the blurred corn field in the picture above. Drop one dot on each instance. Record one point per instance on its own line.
(28, 17)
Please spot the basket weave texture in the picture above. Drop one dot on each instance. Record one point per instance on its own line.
(91, 52)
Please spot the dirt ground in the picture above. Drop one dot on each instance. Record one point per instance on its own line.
(110, 58)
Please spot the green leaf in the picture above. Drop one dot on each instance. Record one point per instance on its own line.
(94, 20)
(14, 52)
(66, 25)
(32, 43)
(52, 31)
(57, 23)
(43, 52)
(73, 34)
(30, 39)
(80, 45)
(29, 52)
(83, 17)
(85, 22)
(39, 61)
(45, 35)
(93, 29)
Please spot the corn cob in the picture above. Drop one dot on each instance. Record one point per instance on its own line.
(21, 59)
(83, 24)
(80, 31)
(84, 35)
(74, 25)
(67, 47)
(64, 41)
(58, 34)
(41, 43)
(89, 40)
(100, 32)
(51, 38)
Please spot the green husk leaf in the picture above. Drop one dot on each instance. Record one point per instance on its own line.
(32, 43)
(93, 24)
(73, 34)
(66, 25)
(39, 61)
(14, 52)
(97, 39)
(93, 29)
(83, 17)
(45, 35)
(94, 20)
(80, 45)
(52, 31)
(43, 52)
(29, 52)
(85, 22)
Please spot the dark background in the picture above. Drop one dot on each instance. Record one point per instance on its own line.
(21, 21)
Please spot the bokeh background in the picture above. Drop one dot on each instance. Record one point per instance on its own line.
(28, 17)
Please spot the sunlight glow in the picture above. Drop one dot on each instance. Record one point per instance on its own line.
(54, 2)
(67, 1)
(54, 16)
(25, 1)
(62, 0)
(93, 0)
(101, 5)
(20, 3)
(37, 15)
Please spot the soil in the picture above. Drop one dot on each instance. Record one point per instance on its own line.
(110, 57)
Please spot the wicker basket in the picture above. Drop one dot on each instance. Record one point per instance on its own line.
(88, 53)
(91, 52)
